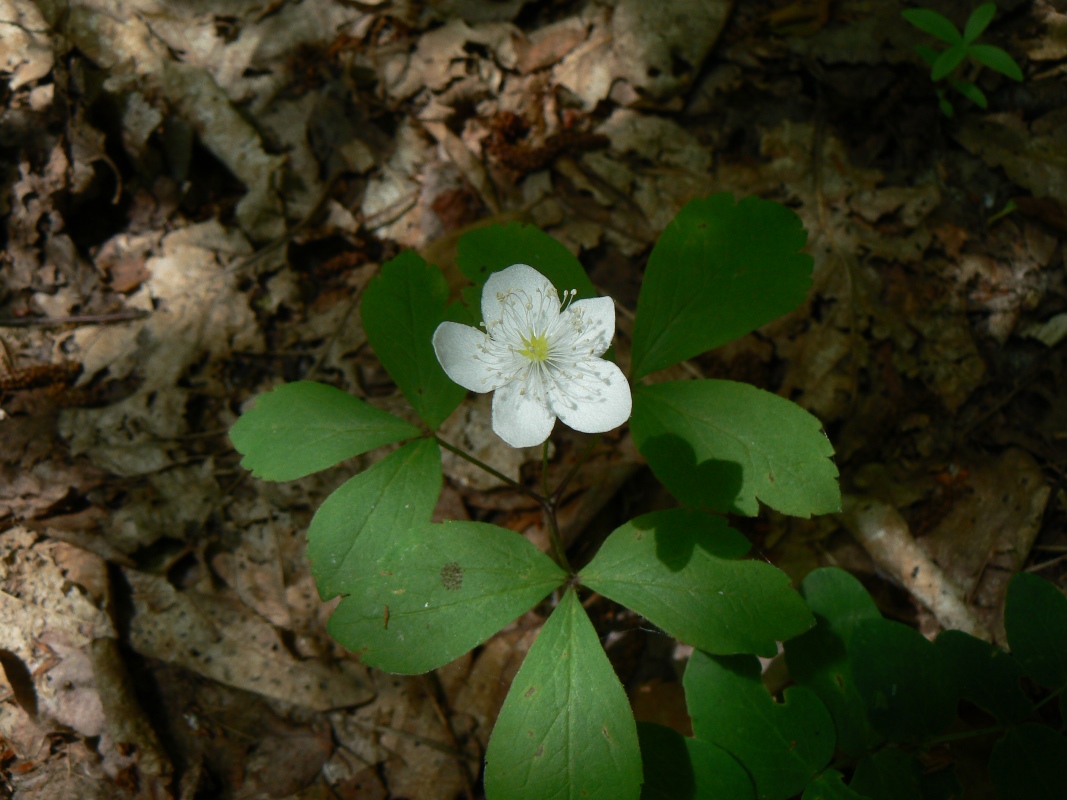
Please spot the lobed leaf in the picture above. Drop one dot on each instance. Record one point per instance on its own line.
(986, 676)
(720, 270)
(721, 446)
(439, 591)
(891, 774)
(683, 571)
(888, 774)
(304, 427)
(902, 679)
(402, 307)
(929, 21)
(820, 658)
(1035, 618)
(782, 745)
(830, 785)
(362, 519)
(1027, 764)
(682, 768)
(565, 730)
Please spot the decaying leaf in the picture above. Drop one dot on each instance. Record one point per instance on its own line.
(224, 641)
(47, 626)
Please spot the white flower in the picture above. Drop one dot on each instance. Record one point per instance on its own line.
(542, 361)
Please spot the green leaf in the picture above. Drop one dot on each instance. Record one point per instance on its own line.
(820, 660)
(979, 21)
(483, 251)
(1035, 617)
(722, 445)
(931, 22)
(566, 730)
(719, 271)
(438, 592)
(941, 784)
(986, 675)
(683, 571)
(902, 679)
(830, 786)
(782, 745)
(945, 106)
(402, 307)
(888, 774)
(680, 768)
(361, 520)
(668, 768)
(996, 59)
(948, 61)
(971, 92)
(1027, 764)
(304, 427)
(928, 54)
(891, 774)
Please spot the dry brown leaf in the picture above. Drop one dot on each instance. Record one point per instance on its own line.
(986, 536)
(1034, 157)
(441, 56)
(477, 685)
(546, 46)
(1050, 40)
(46, 625)
(402, 731)
(25, 43)
(655, 49)
(118, 39)
(221, 640)
(196, 313)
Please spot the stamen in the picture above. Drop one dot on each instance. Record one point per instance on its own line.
(568, 298)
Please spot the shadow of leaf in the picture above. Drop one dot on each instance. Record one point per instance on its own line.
(711, 485)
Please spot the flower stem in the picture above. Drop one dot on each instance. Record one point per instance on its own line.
(549, 501)
(546, 501)
(555, 537)
(544, 470)
(479, 463)
(558, 494)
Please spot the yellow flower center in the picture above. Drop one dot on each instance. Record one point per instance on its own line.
(535, 348)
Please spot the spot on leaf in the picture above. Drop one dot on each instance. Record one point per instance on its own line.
(452, 576)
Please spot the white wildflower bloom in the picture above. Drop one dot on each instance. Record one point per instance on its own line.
(543, 361)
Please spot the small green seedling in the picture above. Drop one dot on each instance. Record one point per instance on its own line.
(961, 46)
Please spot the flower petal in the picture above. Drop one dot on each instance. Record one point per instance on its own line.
(597, 317)
(459, 348)
(520, 418)
(594, 399)
(516, 278)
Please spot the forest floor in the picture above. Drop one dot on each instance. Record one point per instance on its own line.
(193, 201)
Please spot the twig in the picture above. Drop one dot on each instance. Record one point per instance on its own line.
(76, 319)
(884, 534)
